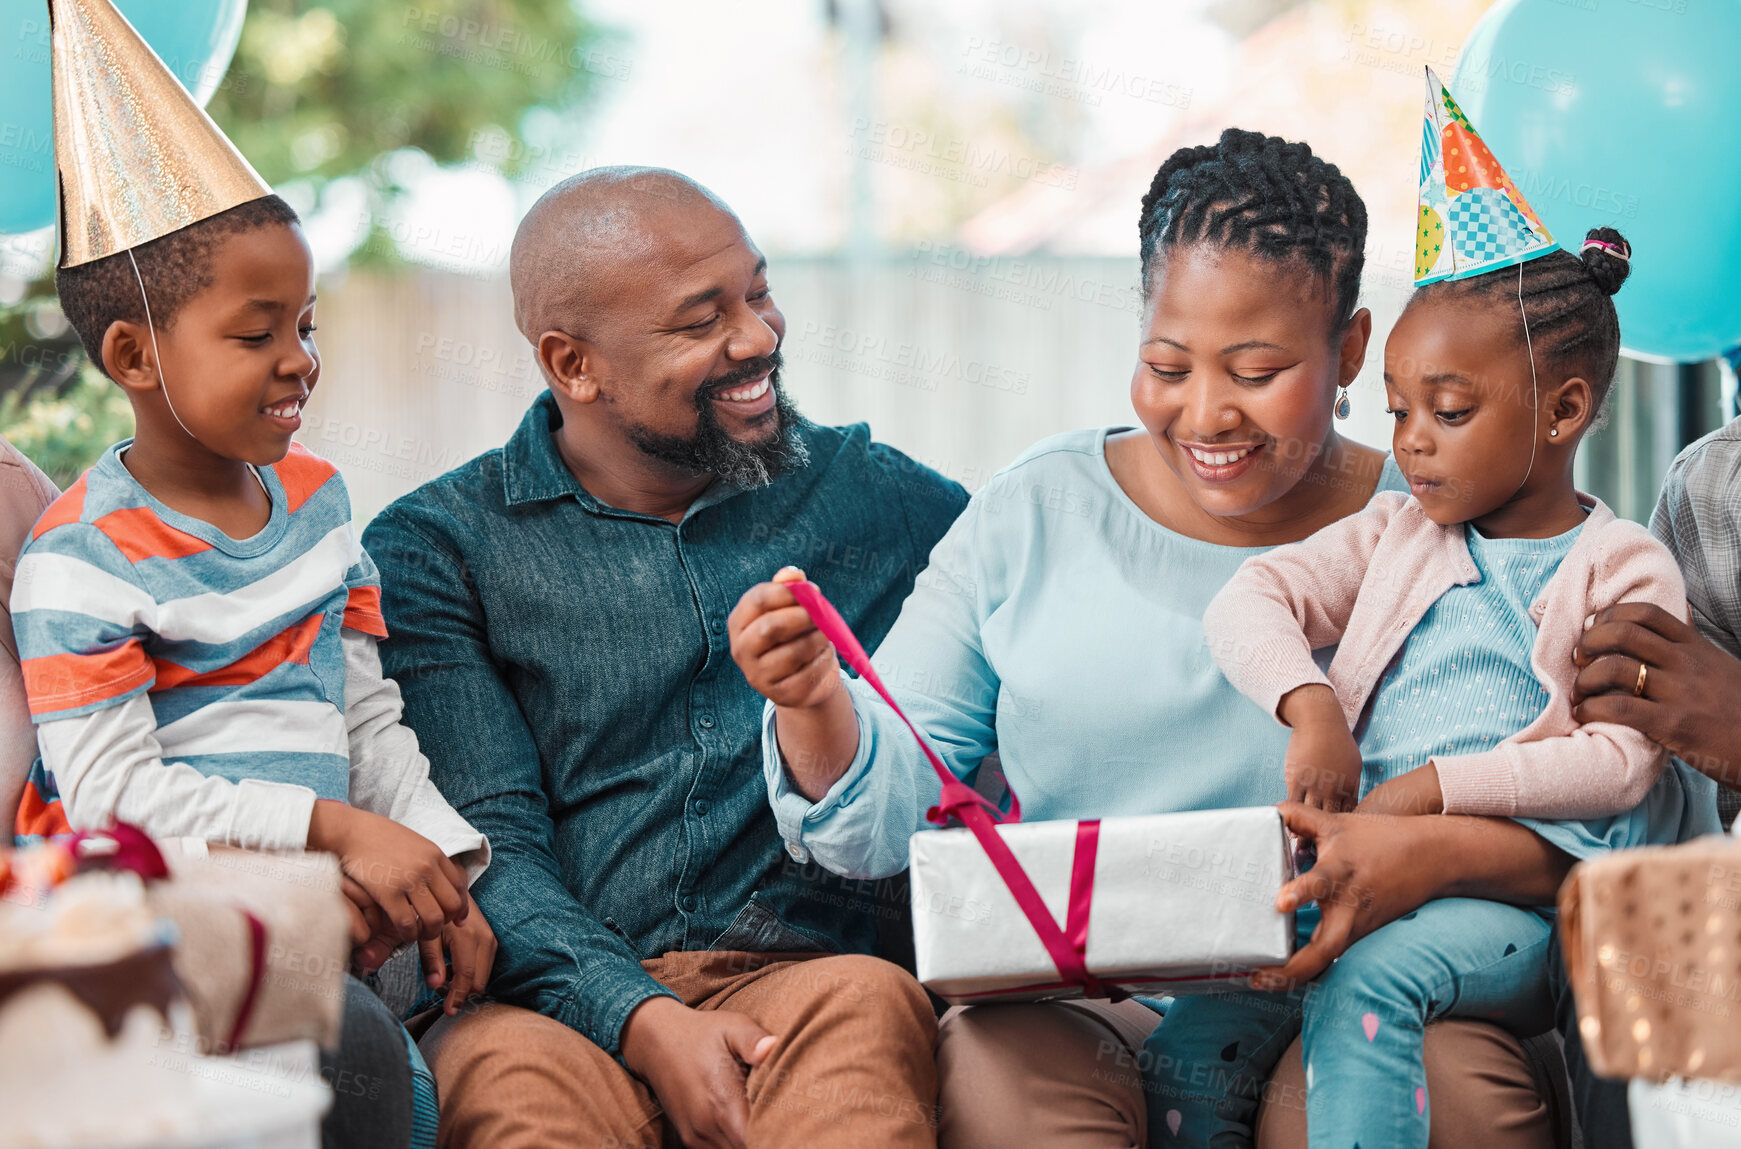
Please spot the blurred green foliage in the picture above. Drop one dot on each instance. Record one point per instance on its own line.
(322, 90)
(64, 431)
(318, 91)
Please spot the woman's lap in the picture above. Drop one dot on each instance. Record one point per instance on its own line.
(1071, 1075)
(1061, 1073)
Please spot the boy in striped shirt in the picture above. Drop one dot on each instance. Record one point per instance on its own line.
(196, 620)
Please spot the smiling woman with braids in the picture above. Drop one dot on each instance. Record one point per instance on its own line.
(1060, 625)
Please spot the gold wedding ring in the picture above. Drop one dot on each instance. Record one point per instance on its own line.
(1643, 674)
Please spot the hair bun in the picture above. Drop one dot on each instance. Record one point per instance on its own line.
(1605, 267)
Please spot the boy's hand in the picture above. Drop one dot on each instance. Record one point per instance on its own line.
(782, 654)
(372, 940)
(1323, 760)
(1416, 792)
(417, 887)
(471, 948)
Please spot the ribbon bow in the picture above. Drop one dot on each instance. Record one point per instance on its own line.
(1067, 947)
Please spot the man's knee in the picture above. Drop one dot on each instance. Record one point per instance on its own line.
(503, 1036)
(858, 986)
(509, 1077)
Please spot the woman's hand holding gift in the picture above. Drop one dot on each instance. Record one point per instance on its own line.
(1373, 868)
(1370, 870)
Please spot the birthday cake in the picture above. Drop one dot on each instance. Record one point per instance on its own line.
(89, 1003)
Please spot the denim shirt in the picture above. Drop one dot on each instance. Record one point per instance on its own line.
(566, 668)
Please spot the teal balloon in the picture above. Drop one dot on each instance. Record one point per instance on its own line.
(196, 38)
(1626, 114)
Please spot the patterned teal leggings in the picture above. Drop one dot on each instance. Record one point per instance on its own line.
(1359, 1026)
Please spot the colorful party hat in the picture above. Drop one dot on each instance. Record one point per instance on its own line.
(135, 155)
(1472, 217)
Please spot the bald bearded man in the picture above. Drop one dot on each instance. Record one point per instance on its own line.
(557, 610)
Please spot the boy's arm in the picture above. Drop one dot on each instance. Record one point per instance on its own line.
(389, 774)
(1599, 768)
(80, 616)
(108, 767)
(553, 955)
(1264, 624)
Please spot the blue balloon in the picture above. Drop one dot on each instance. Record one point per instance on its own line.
(1622, 113)
(196, 38)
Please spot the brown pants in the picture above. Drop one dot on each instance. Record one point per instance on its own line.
(1067, 1074)
(853, 1067)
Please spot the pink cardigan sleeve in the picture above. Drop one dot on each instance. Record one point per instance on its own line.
(1567, 770)
(1282, 605)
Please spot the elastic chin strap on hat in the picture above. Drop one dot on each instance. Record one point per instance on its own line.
(156, 356)
(1534, 410)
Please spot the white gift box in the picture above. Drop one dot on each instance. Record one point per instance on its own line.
(1182, 903)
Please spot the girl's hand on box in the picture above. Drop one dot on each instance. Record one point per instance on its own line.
(471, 951)
(1323, 760)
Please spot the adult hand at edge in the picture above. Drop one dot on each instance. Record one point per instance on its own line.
(1691, 686)
(695, 1063)
(1370, 871)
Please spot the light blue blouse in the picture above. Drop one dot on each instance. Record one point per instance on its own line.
(1060, 626)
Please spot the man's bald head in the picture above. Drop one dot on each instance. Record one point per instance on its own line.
(586, 233)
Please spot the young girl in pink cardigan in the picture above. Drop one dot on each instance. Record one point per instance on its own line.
(1453, 612)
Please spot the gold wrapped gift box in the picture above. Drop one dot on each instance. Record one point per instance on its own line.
(1652, 942)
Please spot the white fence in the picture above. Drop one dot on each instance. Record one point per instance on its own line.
(960, 361)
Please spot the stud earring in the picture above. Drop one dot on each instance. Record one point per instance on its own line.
(1344, 407)
(1553, 432)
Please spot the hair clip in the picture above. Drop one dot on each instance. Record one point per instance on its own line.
(1611, 248)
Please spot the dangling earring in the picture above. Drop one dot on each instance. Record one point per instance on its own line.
(1344, 408)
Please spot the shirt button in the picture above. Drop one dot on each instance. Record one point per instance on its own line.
(689, 903)
(706, 721)
(718, 626)
(701, 807)
(796, 851)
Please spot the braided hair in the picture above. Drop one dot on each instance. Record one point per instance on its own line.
(1572, 323)
(1265, 195)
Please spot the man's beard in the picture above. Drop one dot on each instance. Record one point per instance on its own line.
(712, 451)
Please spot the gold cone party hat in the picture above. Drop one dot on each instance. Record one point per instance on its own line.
(136, 157)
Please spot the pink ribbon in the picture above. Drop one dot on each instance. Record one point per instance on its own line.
(256, 974)
(122, 846)
(1066, 947)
